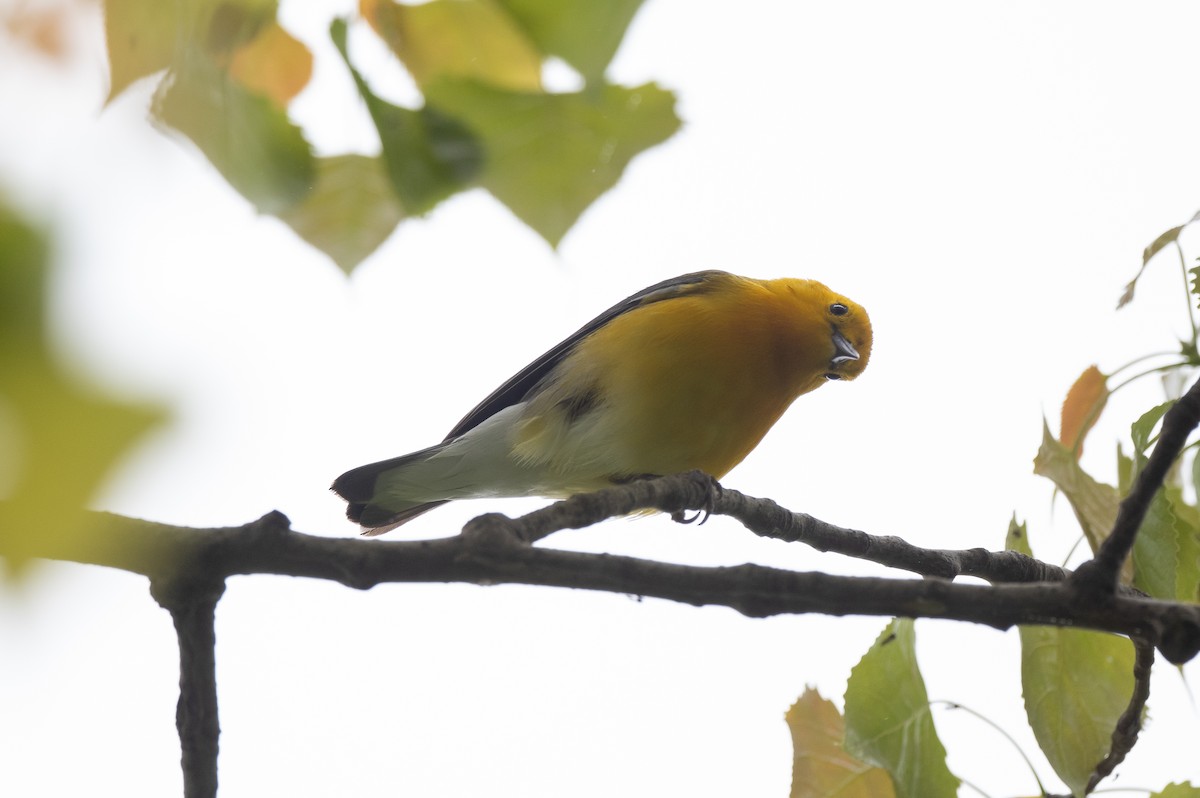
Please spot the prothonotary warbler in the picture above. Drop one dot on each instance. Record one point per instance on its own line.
(686, 374)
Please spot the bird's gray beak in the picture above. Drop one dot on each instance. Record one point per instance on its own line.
(843, 349)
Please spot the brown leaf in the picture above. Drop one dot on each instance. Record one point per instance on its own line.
(1082, 407)
(821, 768)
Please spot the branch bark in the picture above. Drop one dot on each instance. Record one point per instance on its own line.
(188, 568)
(494, 549)
(193, 605)
(1129, 725)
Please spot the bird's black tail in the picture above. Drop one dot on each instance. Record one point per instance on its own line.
(377, 514)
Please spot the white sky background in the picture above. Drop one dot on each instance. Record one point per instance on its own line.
(982, 177)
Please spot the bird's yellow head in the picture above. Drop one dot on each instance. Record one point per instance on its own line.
(850, 337)
(831, 334)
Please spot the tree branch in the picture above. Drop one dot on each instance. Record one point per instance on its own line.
(1129, 725)
(494, 549)
(192, 605)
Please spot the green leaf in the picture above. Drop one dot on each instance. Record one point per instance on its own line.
(1166, 548)
(1156, 550)
(821, 768)
(1187, 576)
(63, 436)
(1126, 471)
(1094, 503)
(888, 722)
(1178, 790)
(1076, 684)
(549, 156)
(428, 155)
(1141, 431)
(474, 39)
(246, 137)
(351, 210)
(583, 33)
(1017, 538)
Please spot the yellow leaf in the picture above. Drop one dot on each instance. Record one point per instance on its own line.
(821, 768)
(1082, 407)
(474, 39)
(141, 40)
(273, 63)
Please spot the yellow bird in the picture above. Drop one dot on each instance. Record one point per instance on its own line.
(686, 374)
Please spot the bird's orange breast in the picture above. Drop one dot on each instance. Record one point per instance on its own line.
(697, 381)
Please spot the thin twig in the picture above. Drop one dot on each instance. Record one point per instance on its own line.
(1129, 725)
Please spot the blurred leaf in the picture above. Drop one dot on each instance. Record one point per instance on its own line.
(147, 37)
(474, 39)
(1082, 407)
(428, 155)
(1149, 252)
(1094, 503)
(273, 64)
(226, 26)
(1157, 244)
(67, 437)
(821, 768)
(888, 722)
(1180, 790)
(1076, 684)
(549, 156)
(44, 30)
(1017, 538)
(245, 136)
(141, 38)
(585, 34)
(350, 212)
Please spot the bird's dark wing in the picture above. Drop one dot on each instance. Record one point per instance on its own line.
(519, 385)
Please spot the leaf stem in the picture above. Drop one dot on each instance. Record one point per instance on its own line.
(1147, 373)
(1006, 735)
(1187, 293)
(1074, 546)
(1141, 359)
(974, 787)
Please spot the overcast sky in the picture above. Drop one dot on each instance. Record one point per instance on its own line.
(981, 177)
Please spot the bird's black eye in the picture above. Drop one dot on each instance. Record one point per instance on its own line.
(838, 309)
(833, 376)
